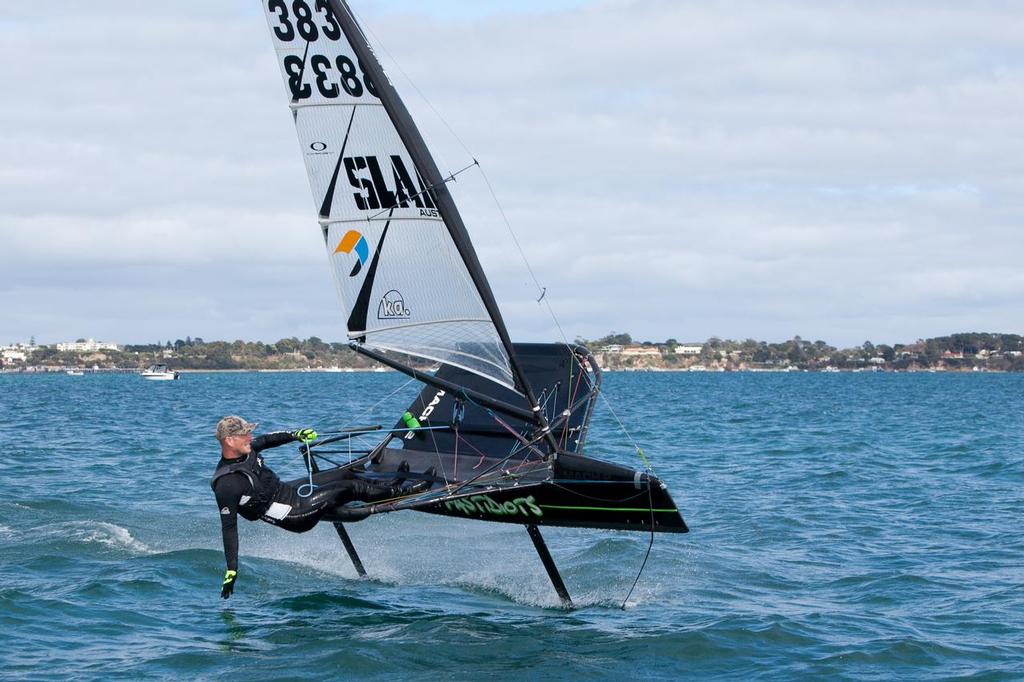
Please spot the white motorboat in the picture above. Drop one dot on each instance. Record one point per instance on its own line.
(159, 373)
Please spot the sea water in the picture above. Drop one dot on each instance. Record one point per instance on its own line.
(844, 526)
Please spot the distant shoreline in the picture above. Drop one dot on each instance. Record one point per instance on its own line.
(239, 370)
(961, 352)
(643, 370)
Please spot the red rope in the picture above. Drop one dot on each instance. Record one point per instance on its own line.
(483, 455)
(572, 401)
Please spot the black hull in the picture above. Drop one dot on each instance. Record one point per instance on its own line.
(570, 505)
(574, 491)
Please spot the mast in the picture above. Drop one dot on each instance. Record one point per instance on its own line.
(424, 162)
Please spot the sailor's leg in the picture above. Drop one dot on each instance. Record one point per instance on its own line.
(337, 493)
(309, 510)
(300, 523)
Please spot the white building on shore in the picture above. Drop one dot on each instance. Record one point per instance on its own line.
(88, 346)
(640, 351)
(11, 354)
(17, 351)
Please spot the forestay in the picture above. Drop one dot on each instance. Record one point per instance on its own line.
(403, 282)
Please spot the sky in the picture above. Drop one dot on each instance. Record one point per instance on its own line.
(841, 171)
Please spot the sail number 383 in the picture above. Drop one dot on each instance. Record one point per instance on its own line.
(302, 22)
(297, 20)
(326, 81)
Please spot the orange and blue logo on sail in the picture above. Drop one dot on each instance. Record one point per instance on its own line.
(353, 241)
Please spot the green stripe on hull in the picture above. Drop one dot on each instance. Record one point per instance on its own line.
(627, 509)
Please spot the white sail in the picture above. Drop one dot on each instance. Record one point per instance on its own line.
(403, 282)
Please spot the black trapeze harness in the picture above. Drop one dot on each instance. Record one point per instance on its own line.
(265, 485)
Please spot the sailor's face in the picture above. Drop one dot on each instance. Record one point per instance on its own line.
(242, 445)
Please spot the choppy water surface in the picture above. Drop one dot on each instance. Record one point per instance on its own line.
(843, 526)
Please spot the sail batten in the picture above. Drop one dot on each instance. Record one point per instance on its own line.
(364, 332)
(313, 105)
(406, 274)
(464, 361)
(382, 219)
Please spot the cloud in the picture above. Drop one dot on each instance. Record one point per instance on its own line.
(670, 169)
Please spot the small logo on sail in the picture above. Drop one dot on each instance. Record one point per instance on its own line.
(392, 307)
(353, 241)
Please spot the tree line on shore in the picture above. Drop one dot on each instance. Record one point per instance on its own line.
(962, 351)
(991, 351)
(197, 354)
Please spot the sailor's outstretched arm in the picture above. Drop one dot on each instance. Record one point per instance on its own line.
(272, 440)
(229, 492)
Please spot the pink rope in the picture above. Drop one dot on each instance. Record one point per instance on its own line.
(483, 455)
(572, 401)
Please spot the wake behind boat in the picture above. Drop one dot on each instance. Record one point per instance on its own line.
(503, 425)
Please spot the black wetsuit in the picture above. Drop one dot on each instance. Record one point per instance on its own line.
(248, 487)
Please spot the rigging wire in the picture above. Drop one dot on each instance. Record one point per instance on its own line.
(601, 396)
(412, 83)
(607, 403)
(551, 312)
(444, 181)
(508, 225)
(437, 450)
(650, 544)
(359, 416)
(376, 404)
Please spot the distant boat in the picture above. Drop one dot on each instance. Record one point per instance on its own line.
(333, 369)
(159, 373)
(75, 373)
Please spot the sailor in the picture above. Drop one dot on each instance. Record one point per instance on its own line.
(244, 485)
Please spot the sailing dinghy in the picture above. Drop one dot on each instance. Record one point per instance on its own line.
(502, 424)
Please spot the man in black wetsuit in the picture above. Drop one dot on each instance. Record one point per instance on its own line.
(244, 485)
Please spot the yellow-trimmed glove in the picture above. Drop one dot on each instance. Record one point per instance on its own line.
(307, 436)
(229, 583)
